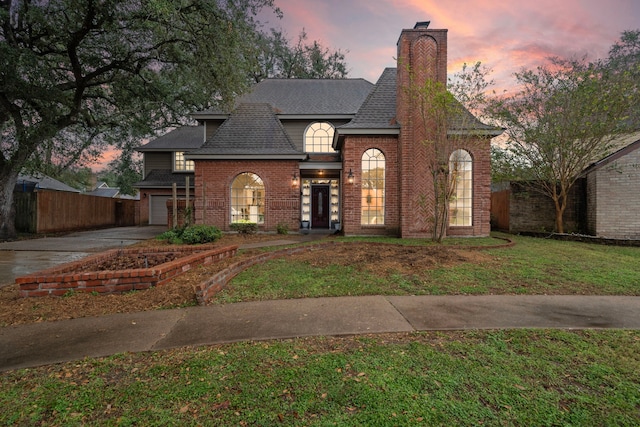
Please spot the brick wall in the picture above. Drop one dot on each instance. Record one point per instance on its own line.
(354, 148)
(213, 181)
(422, 55)
(614, 198)
(531, 210)
(479, 148)
(78, 277)
(181, 212)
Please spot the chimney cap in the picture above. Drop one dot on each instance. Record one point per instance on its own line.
(422, 24)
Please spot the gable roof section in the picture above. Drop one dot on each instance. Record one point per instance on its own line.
(38, 181)
(467, 123)
(165, 178)
(620, 146)
(252, 132)
(321, 98)
(184, 138)
(378, 112)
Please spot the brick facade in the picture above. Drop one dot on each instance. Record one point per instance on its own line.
(422, 55)
(213, 179)
(409, 195)
(351, 202)
(613, 198)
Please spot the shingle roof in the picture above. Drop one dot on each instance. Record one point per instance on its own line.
(332, 97)
(618, 146)
(183, 138)
(164, 178)
(252, 129)
(379, 109)
(42, 182)
(466, 122)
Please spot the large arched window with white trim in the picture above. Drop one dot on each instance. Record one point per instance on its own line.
(318, 138)
(373, 185)
(247, 198)
(461, 202)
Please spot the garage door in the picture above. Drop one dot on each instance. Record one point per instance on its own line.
(158, 210)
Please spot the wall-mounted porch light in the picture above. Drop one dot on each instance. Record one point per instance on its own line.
(294, 180)
(350, 177)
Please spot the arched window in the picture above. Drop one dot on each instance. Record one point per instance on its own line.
(318, 138)
(461, 203)
(247, 198)
(373, 171)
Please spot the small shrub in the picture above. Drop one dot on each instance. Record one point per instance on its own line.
(191, 235)
(282, 228)
(200, 234)
(172, 236)
(245, 227)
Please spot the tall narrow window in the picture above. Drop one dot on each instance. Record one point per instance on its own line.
(318, 138)
(247, 198)
(373, 171)
(180, 164)
(461, 203)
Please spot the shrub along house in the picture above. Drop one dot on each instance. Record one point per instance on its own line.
(324, 153)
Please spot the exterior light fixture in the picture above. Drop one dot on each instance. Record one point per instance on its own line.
(294, 180)
(350, 177)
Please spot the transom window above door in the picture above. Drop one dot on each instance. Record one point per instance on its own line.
(318, 138)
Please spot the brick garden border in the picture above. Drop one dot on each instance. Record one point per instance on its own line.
(59, 280)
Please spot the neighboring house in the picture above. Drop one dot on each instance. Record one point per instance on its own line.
(604, 201)
(613, 192)
(324, 153)
(29, 183)
(102, 189)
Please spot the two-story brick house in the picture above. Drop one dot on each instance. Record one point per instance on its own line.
(323, 152)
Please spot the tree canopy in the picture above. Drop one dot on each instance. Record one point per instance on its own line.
(565, 115)
(279, 58)
(80, 74)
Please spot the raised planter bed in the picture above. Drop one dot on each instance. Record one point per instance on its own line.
(83, 276)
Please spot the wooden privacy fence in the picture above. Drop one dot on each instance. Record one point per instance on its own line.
(500, 203)
(53, 211)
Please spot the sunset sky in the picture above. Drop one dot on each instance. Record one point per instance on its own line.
(504, 35)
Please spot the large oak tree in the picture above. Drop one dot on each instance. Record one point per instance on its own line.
(79, 74)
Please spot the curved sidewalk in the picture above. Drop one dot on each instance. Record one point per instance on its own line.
(62, 341)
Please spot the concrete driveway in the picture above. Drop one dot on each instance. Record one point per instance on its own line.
(26, 256)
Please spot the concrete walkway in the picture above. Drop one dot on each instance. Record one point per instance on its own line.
(54, 342)
(22, 257)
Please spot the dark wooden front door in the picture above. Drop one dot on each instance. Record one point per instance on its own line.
(320, 206)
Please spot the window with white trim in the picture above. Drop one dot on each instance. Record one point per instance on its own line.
(461, 202)
(373, 177)
(180, 164)
(318, 138)
(247, 199)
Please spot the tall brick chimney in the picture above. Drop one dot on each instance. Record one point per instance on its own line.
(422, 54)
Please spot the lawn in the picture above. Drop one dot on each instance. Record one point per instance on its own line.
(512, 377)
(532, 266)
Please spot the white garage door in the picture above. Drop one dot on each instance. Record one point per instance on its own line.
(158, 210)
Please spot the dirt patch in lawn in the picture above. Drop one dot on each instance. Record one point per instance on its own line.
(383, 259)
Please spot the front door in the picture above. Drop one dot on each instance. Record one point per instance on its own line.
(320, 206)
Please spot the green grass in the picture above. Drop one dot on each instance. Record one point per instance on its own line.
(495, 378)
(521, 377)
(532, 266)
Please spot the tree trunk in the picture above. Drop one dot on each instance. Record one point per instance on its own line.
(7, 208)
(561, 204)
